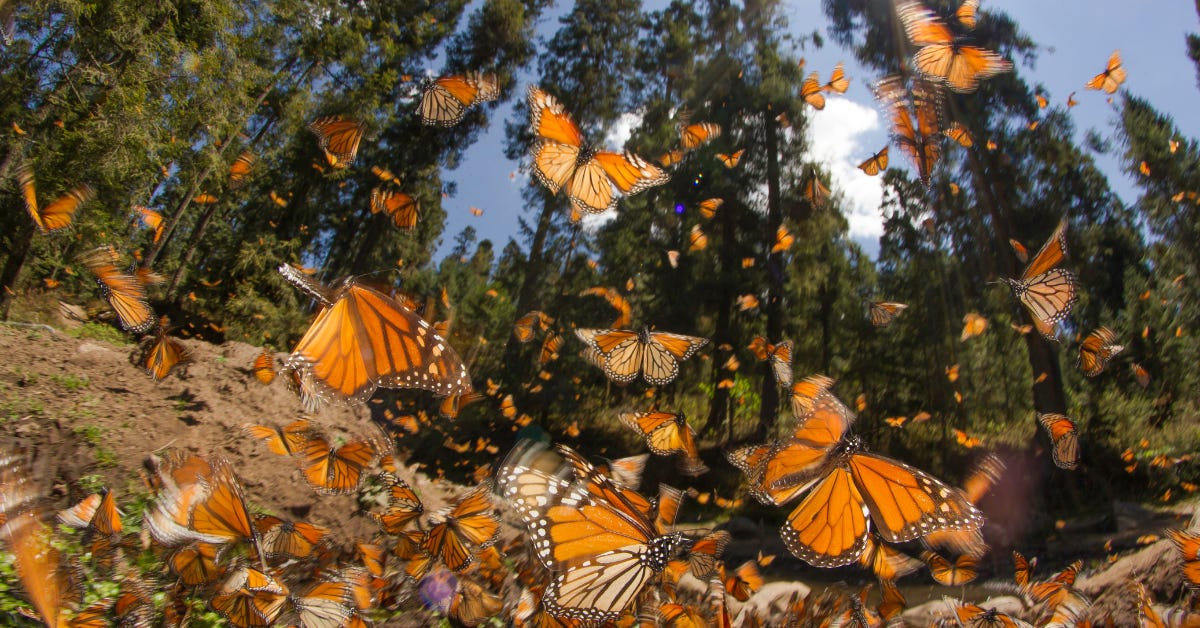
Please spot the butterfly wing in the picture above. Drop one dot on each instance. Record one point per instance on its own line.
(1052, 253)
(1049, 297)
(1064, 438)
(366, 339)
(620, 349)
(829, 527)
(163, 356)
(906, 502)
(694, 135)
(662, 354)
(339, 138)
(124, 293)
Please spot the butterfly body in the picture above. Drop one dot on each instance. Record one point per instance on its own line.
(1047, 292)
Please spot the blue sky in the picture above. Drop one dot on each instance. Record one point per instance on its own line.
(1076, 39)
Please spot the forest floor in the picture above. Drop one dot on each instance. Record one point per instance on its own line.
(88, 416)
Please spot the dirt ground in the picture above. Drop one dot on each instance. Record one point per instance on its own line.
(88, 416)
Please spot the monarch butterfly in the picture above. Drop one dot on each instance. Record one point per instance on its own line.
(838, 83)
(96, 511)
(810, 91)
(885, 561)
(196, 564)
(693, 136)
(959, 133)
(151, 220)
(733, 159)
(470, 522)
(702, 554)
(942, 57)
(653, 354)
(241, 168)
(328, 604)
(783, 240)
(744, 581)
(919, 143)
(626, 472)
(973, 325)
(403, 508)
(1096, 350)
(339, 138)
(295, 539)
(125, 293)
(1063, 438)
(1051, 592)
(815, 191)
(332, 469)
(884, 312)
(1112, 76)
(594, 179)
(668, 434)
(57, 215)
(875, 163)
(473, 605)
(285, 441)
(946, 573)
(163, 354)
(264, 367)
(250, 597)
(364, 339)
(709, 207)
(550, 347)
(892, 602)
(697, 239)
(966, 13)
(974, 616)
(1048, 293)
(402, 208)
(779, 355)
(205, 199)
(670, 158)
(445, 100)
(1188, 545)
(846, 489)
(1140, 374)
(594, 537)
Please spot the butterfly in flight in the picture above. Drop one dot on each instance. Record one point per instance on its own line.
(1063, 438)
(884, 312)
(402, 208)
(875, 163)
(1047, 292)
(597, 539)
(942, 56)
(655, 355)
(1096, 350)
(1111, 78)
(125, 293)
(338, 138)
(845, 488)
(57, 215)
(445, 100)
(163, 353)
(363, 339)
(668, 434)
(595, 180)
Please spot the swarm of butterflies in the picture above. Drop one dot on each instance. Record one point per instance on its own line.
(593, 550)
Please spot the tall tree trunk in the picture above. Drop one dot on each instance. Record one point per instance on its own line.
(527, 296)
(769, 399)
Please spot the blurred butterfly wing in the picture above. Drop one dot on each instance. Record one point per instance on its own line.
(402, 208)
(923, 26)
(694, 135)
(1096, 350)
(810, 91)
(264, 368)
(60, 213)
(365, 340)
(474, 517)
(126, 296)
(966, 13)
(961, 67)
(1064, 438)
(163, 356)
(444, 101)
(1112, 76)
(906, 502)
(599, 183)
(876, 163)
(339, 470)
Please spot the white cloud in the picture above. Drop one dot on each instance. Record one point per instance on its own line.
(622, 130)
(842, 136)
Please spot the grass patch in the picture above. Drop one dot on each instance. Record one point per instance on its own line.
(69, 381)
(93, 435)
(96, 331)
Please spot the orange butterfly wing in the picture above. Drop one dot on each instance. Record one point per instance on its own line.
(365, 340)
(402, 208)
(1064, 439)
(339, 138)
(876, 163)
